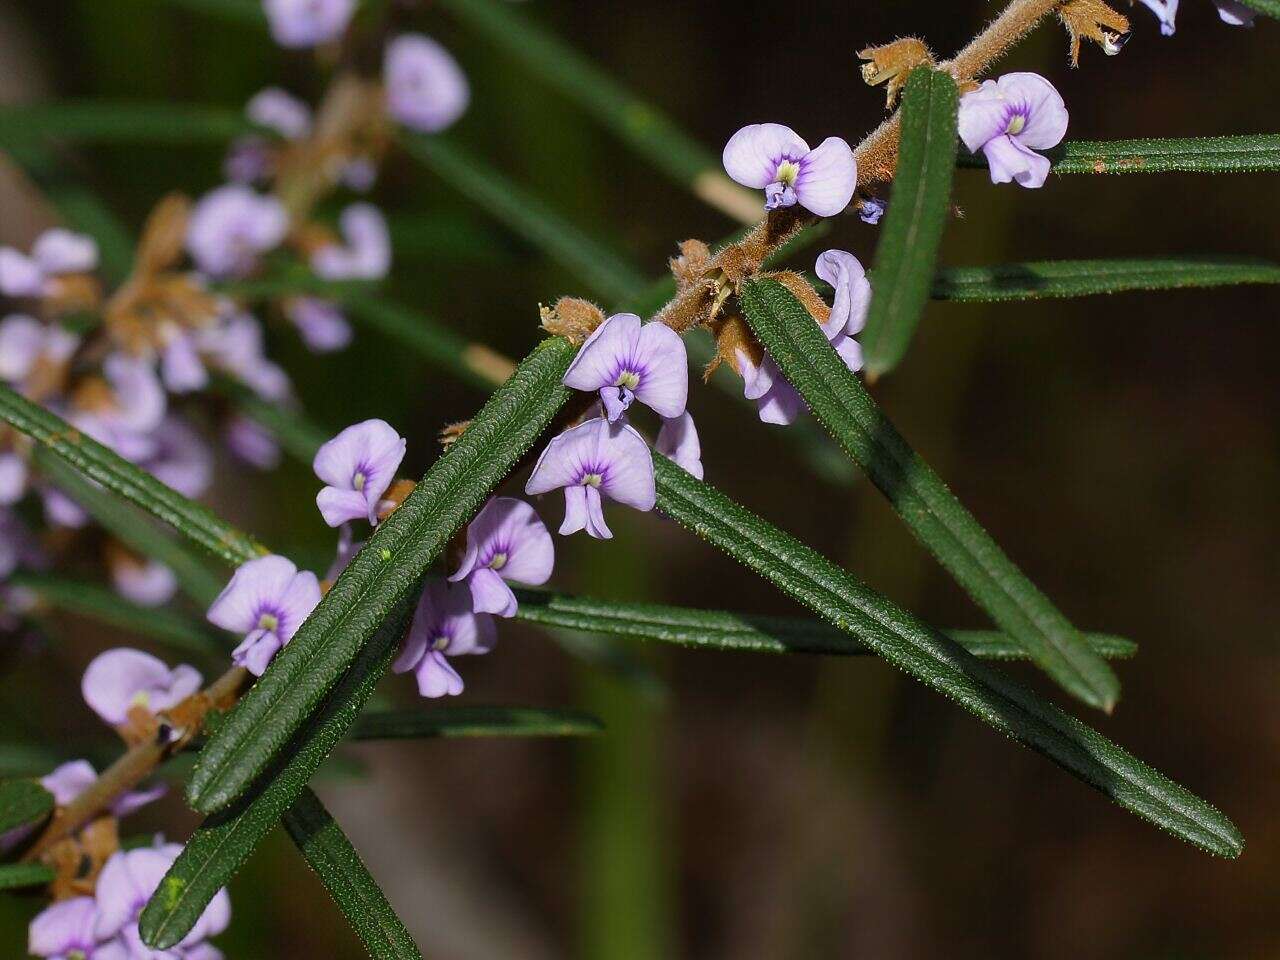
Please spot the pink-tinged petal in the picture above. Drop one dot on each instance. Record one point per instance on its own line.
(307, 23)
(426, 89)
(678, 440)
(63, 928)
(20, 276)
(119, 679)
(827, 178)
(321, 323)
(255, 584)
(853, 292)
(1041, 104)
(1233, 13)
(664, 365)
(752, 155)
(782, 405)
(180, 365)
(61, 251)
(13, 478)
(629, 479)
(280, 111)
(117, 896)
(61, 511)
(231, 226)
(758, 379)
(69, 780)
(490, 593)
(148, 584)
(296, 603)
(609, 348)
(436, 676)
(1010, 161)
(21, 344)
(575, 510)
(984, 115)
(341, 506)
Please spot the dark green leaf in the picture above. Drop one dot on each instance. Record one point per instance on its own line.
(1269, 7)
(1080, 278)
(393, 560)
(347, 879)
(431, 340)
(16, 875)
(115, 473)
(1244, 154)
(23, 802)
(721, 630)
(935, 516)
(104, 121)
(913, 226)
(248, 12)
(224, 841)
(531, 218)
(473, 722)
(930, 657)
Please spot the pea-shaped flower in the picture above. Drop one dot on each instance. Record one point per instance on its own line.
(365, 253)
(119, 680)
(231, 226)
(592, 461)
(65, 930)
(266, 601)
(307, 23)
(358, 465)
(678, 440)
(507, 541)
(626, 361)
(426, 89)
(773, 158)
(444, 625)
(1008, 120)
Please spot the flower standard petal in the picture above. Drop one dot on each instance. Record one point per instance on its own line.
(663, 367)
(118, 680)
(629, 477)
(827, 178)
(426, 89)
(984, 115)
(20, 275)
(611, 346)
(300, 597)
(1041, 104)
(357, 465)
(280, 111)
(254, 583)
(853, 291)
(64, 928)
(753, 154)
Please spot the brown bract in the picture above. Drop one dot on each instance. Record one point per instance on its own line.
(1093, 20)
(571, 318)
(892, 63)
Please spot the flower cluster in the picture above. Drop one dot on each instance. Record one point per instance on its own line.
(1232, 12)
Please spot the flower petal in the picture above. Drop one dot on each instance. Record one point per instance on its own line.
(610, 348)
(663, 363)
(62, 251)
(678, 439)
(1042, 105)
(490, 593)
(594, 515)
(752, 155)
(426, 89)
(254, 584)
(1009, 160)
(20, 276)
(575, 510)
(63, 927)
(280, 111)
(119, 679)
(436, 676)
(828, 176)
(853, 291)
(984, 115)
(629, 478)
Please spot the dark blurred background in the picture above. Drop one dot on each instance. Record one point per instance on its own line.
(1123, 450)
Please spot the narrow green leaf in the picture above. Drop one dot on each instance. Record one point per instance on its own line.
(98, 603)
(607, 273)
(23, 802)
(637, 123)
(917, 649)
(431, 340)
(1269, 7)
(722, 630)
(104, 121)
(14, 876)
(474, 722)
(1080, 278)
(115, 473)
(930, 510)
(1243, 154)
(132, 529)
(225, 840)
(347, 879)
(247, 12)
(392, 561)
(913, 226)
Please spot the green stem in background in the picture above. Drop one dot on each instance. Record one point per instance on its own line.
(14, 876)
(23, 802)
(637, 123)
(938, 520)
(474, 721)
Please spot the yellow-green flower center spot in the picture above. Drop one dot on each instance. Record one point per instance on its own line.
(1016, 124)
(593, 480)
(269, 622)
(628, 379)
(788, 170)
(357, 481)
(498, 562)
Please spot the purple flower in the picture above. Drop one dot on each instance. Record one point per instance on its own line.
(140, 400)
(507, 541)
(13, 478)
(280, 111)
(231, 226)
(180, 459)
(251, 442)
(773, 158)
(321, 324)
(127, 882)
(55, 252)
(1008, 120)
(627, 361)
(118, 680)
(61, 511)
(26, 343)
(69, 780)
(426, 89)
(593, 460)
(776, 400)
(234, 344)
(1166, 12)
(147, 583)
(678, 440)
(65, 931)
(357, 466)
(871, 211)
(444, 625)
(266, 601)
(307, 23)
(367, 254)
(1232, 12)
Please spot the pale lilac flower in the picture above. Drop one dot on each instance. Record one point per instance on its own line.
(626, 360)
(120, 679)
(1233, 13)
(348, 547)
(180, 458)
(65, 931)
(1166, 12)
(444, 625)
(55, 252)
(61, 511)
(26, 342)
(13, 478)
(426, 89)
(181, 368)
(872, 210)
(231, 227)
(251, 442)
(593, 460)
(127, 882)
(357, 466)
(367, 253)
(678, 440)
(507, 541)
(69, 780)
(266, 601)
(307, 23)
(776, 400)
(140, 400)
(321, 324)
(147, 583)
(1008, 120)
(280, 111)
(234, 344)
(20, 275)
(773, 158)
